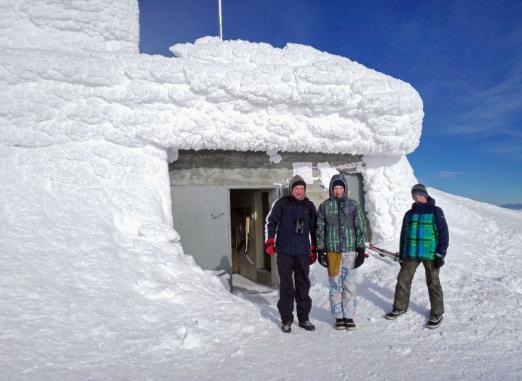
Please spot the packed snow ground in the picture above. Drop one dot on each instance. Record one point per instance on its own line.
(180, 323)
(480, 337)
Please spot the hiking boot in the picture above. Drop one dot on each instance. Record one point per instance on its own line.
(434, 321)
(307, 324)
(286, 327)
(394, 314)
(339, 324)
(349, 324)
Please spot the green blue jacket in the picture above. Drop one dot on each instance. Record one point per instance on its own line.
(341, 224)
(424, 232)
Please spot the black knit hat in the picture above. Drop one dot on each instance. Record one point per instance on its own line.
(297, 180)
(338, 182)
(419, 189)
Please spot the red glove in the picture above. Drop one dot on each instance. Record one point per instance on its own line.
(270, 246)
(312, 255)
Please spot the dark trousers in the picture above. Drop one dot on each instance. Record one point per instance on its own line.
(299, 267)
(403, 287)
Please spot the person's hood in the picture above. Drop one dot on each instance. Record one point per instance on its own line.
(294, 180)
(343, 179)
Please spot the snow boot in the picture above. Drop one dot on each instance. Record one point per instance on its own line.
(394, 314)
(286, 327)
(339, 324)
(349, 324)
(434, 321)
(307, 324)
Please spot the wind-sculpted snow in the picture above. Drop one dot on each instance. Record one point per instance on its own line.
(91, 267)
(232, 95)
(70, 25)
(387, 185)
(301, 99)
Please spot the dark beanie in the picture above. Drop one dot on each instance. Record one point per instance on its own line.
(297, 180)
(419, 189)
(338, 183)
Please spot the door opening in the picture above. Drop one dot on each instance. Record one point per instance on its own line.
(248, 211)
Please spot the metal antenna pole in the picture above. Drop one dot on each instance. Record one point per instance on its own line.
(220, 20)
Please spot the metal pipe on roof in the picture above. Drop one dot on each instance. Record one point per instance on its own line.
(220, 20)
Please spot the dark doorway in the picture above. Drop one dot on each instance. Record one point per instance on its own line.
(248, 211)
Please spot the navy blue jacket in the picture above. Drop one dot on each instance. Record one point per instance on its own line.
(281, 222)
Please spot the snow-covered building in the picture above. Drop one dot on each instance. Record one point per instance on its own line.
(273, 113)
(88, 127)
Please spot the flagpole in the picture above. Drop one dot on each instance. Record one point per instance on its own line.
(220, 20)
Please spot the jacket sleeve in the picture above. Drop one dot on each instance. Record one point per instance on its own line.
(313, 223)
(442, 232)
(320, 228)
(361, 228)
(272, 220)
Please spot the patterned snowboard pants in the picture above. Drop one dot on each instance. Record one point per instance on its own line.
(342, 277)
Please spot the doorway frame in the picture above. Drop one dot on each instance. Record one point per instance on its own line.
(274, 193)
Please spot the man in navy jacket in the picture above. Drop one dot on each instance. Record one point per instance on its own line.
(290, 226)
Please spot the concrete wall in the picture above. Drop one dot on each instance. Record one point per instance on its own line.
(253, 169)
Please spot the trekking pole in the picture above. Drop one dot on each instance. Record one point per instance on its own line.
(382, 252)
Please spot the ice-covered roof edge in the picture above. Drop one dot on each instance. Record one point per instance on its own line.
(299, 99)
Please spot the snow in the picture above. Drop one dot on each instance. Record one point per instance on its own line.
(303, 169)
(112, 307)
(70, 26)
(274, 157)
(326, 172)
(71, 81)
(94, 283)
(231, 95)
(387, 184)
(299, 99)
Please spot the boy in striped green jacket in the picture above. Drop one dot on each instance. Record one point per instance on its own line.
(424, 238)
(341, 237)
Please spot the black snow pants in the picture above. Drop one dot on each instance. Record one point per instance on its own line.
(299, 267)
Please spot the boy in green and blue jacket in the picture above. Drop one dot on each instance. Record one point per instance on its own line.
(424, 238)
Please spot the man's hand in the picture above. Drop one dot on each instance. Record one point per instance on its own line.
(270, 246)
(312, 255)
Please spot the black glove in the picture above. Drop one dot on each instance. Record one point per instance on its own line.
(361, 255)
(321, 257)
(439, 262)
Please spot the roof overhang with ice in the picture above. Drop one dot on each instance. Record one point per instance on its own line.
(231, 95)
(298, 99)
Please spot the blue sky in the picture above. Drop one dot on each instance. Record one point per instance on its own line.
(463, 57)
